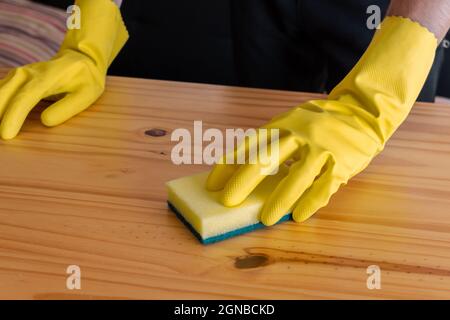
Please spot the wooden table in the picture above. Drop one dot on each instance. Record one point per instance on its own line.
(91, 193)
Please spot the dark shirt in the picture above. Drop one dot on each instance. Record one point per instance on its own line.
(305, 45)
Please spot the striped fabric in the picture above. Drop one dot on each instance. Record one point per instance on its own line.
(29, 32)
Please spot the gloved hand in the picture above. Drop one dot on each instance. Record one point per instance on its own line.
(332, 140)
(77, 73)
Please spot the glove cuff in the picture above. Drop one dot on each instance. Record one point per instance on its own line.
(102, 33)
(385, 83)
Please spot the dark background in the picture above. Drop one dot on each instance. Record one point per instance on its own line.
(183, 41)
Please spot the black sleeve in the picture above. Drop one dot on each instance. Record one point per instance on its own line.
(444, 79)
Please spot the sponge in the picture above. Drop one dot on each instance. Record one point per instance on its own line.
(201, 211)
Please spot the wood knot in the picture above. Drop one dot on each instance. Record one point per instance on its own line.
(156, 132)
(251, 261)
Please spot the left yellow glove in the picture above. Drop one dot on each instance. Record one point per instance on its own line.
(332, 140)
(77, 72)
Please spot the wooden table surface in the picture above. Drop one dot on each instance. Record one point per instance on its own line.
(91, 193)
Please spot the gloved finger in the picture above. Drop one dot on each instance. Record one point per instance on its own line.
(317, 196)
(229, 164)
(301, 176)
(19, 107)
(9, 87)
(69, 106)
(219, 176)
(248, 176)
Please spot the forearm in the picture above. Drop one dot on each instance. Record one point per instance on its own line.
(432, 14)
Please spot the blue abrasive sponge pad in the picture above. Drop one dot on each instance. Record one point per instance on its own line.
(210, 221)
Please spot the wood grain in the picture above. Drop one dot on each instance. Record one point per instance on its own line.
(91, 193)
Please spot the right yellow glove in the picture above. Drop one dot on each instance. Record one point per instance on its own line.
(332, 140)
(77, 72)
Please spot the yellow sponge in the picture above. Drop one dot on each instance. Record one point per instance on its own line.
(207, 218)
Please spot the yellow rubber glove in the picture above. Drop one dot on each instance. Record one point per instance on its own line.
(77, 72)
(332, 140)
